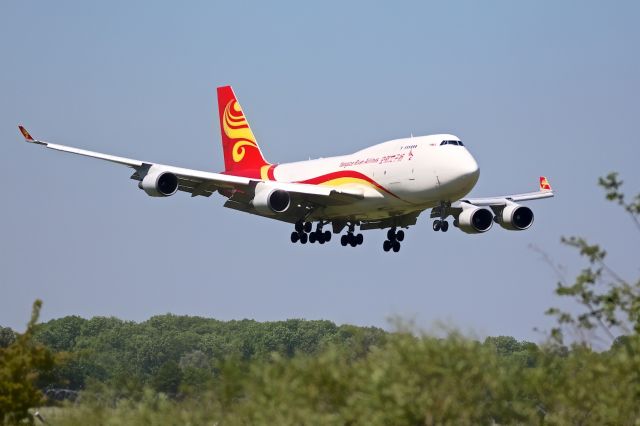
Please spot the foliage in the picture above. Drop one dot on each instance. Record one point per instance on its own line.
(611, 304)
(22, 362)
(110, 350)
(410, 379)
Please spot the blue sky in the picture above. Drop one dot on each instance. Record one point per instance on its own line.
(531, 88)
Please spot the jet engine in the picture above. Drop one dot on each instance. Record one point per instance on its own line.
(158, 183)
(269, 200)
(515, 217)
(474, 220)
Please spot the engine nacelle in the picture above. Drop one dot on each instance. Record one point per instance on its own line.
(515, 217)
(269, 200)
(158, 183)
(475, 220)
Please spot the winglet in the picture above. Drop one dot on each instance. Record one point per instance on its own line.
(544, 184)
(28, 137)
(26, 134)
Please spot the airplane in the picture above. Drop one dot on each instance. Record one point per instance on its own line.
(387, 185)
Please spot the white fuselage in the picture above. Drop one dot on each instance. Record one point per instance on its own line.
(395, 177)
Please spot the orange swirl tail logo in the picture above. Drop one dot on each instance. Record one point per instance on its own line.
(237, 129)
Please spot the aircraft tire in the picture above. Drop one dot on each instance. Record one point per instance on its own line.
(386, 246)
(299, 226)
(396, 246)
(312, 237)
(359, 239)
(391, 234)
(444, 227)
(303, 238)
(307, 227)
(294, 237)
(436, 225)
(344, 240)
(327, 236)
(400, 235)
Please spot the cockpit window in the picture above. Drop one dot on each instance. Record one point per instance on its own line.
(451, 143)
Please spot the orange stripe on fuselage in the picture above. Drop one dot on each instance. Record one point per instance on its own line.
(345, 177)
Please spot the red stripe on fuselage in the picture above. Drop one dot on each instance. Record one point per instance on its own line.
(345, 174)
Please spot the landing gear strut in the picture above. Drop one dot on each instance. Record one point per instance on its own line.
(393, 240)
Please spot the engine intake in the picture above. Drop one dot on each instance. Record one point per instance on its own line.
(515, 217)
(268, 200)
(158, 183)
(475, 220)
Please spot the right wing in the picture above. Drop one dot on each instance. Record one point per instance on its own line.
(239, 189)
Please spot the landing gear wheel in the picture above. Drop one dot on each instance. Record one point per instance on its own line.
(327, 236)
(400, 235)
(396, 246)
(359, 239)
(386, 246)
(436, 225)
(299, 226)
(303, 238)
(344, 240)
(307, 227)
(353, 241)
(456, 223)
(444, 227)
(294, 237)
(312, 237)
(391, 234)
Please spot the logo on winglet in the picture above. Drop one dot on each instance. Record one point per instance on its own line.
(544, 184)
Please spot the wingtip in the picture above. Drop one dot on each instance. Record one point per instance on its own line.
(26, 134)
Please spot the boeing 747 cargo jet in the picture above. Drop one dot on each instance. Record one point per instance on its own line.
(384, 186)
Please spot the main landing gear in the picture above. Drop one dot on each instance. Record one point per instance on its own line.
(303, 233)
(440, 225)
(393, 240)
(350, 238)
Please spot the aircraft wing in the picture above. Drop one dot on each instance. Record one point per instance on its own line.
(544, 191)
(203, 183)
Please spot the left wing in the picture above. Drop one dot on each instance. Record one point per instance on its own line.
(239, 189)
(544, 191)
(502, 206)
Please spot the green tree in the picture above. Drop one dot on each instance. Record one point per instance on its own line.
(21, 364)
(610, 303)
(7, 337)
(167, 379)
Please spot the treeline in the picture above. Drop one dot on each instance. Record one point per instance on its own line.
(203, 371)
(163, 351)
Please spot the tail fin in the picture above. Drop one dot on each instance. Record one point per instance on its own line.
(544, 184)
(241, 151)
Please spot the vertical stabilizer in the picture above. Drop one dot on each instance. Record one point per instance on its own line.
(241, 152)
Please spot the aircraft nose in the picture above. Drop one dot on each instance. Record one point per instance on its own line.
(469, 169)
